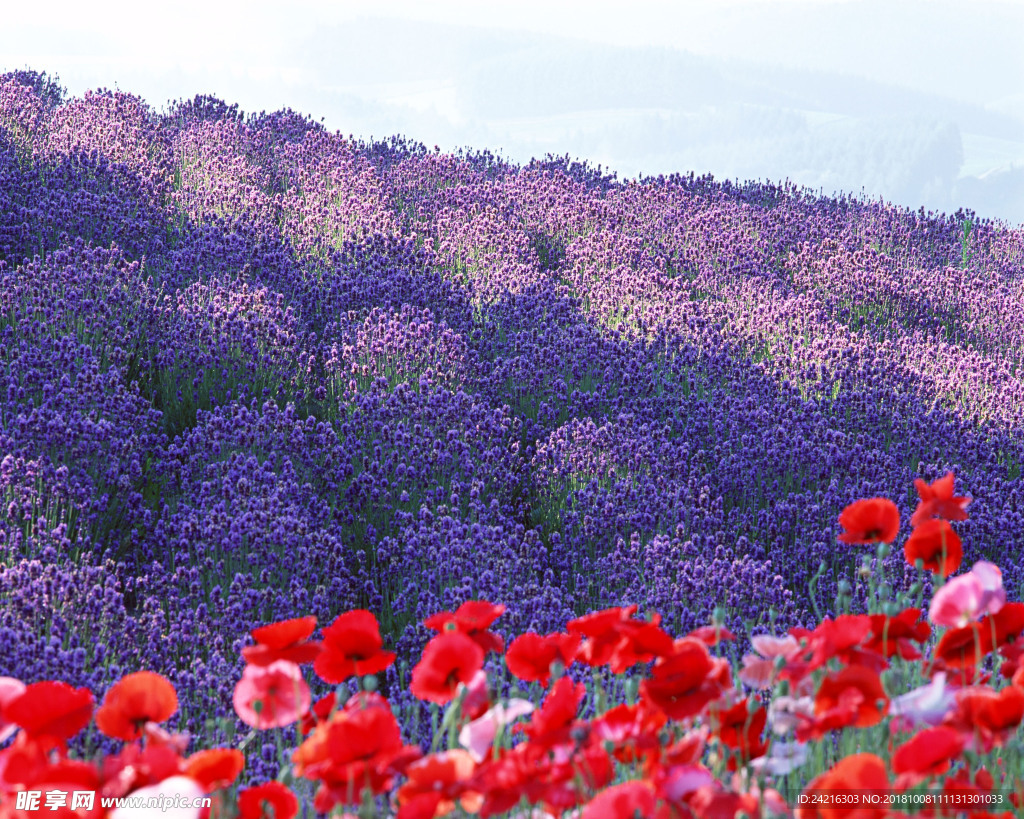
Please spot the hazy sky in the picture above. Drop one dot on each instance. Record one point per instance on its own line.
(918, 101)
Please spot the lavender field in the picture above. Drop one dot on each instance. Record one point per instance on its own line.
(251, 370)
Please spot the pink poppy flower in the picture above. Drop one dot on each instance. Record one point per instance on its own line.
(759, 671)
(680, 781)
(927, 705)
(786, 713)
(477, 699)
(783, 759)
(964, 599)
(477, 737)
(9, 689)
(271, 696)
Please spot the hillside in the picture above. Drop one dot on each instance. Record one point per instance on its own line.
(251, 370)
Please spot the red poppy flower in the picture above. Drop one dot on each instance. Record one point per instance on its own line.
(51, 710)
(450, 658)
(711, 802)
(1012, 654)
(28, 767)
(352, 648)
(319, 712)
(506, 778)
(711, 636)
(472, 618)
(842, 716)
(271, 800)
(964, 677)
(687, 680)
(625, 801)
(966, 785)
(445, 776)
(686, 751)
(134, 700)
(966, 646)
(741, 730)
(1008, 623)
(529, 656)
(566, 784)
(840, 639)
(632, 728)
(929, 753)
(284, 640)
(618, 641)
(602, 628)
(938, 501)
(215, 768)
(859, 772)
(986, 718)
(358, 748)
(870, 520)
(929, 542)
(550, 724)
(138, 766)
(897, 635)
(835, 689)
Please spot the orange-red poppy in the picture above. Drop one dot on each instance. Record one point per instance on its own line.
(835, 691)
(859, 772)
(271, 800)
(134, 700)
(284, 640)
(215, 768)
(937, 500)
(449, 659)
(352, 647)
(529, 656)
(687, 680)
(929, 753)
(936, 544)
(870, 520)
(473, 618)
(51, 710)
